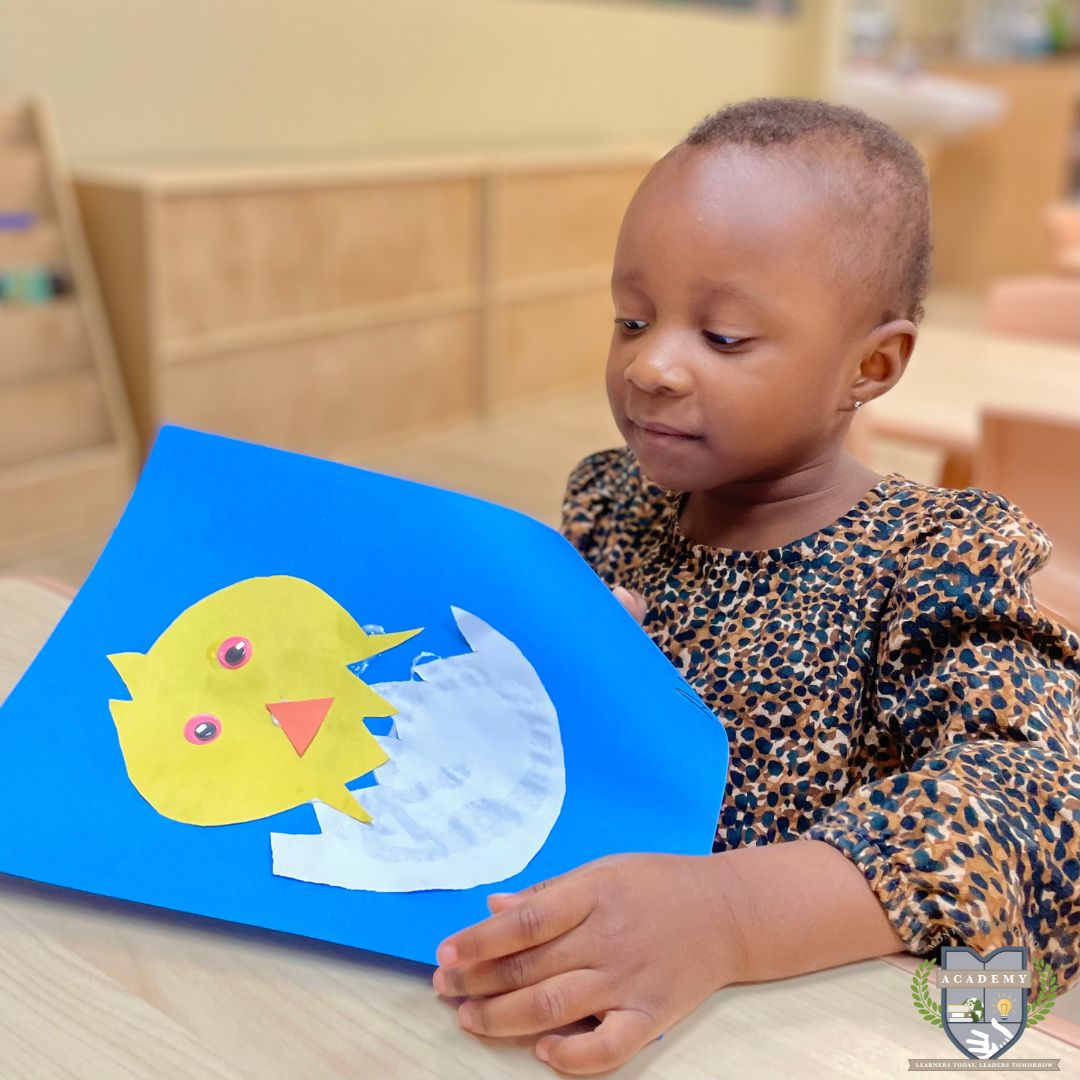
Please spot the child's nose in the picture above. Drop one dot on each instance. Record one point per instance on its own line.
(657, 368)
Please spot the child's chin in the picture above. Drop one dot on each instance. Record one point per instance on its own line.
(668, 476)
(701, 473)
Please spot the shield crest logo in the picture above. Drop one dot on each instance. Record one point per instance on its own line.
(984, 999)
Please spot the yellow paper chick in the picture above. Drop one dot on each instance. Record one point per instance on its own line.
(245, 706)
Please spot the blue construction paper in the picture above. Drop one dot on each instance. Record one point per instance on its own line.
(646, 760)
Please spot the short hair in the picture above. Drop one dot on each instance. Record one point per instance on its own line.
(880, 177)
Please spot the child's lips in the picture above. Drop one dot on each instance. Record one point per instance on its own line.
(661, 431)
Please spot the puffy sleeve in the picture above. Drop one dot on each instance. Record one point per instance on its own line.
(972, 838)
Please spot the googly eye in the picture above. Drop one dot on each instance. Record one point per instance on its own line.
(202, 729)
(234, 652)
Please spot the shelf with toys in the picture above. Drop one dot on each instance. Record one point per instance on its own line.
(67, 449)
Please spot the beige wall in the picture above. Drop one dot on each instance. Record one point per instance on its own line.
(270, 78)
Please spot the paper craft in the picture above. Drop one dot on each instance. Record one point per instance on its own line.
(510, 723)
(475, 780)
(475, 776)
(209, 735)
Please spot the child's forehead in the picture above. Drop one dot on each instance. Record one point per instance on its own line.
(732, 220)
(701, 211)
(735, 185)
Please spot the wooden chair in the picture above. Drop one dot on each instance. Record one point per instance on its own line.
(956, 452)
(1035, 307)
(1034, 461)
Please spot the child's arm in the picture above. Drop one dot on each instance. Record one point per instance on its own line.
(973, 836)
(642, 940)
(826, 916)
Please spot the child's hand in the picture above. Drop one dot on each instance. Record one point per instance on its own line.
(634, 602)
(638, 941)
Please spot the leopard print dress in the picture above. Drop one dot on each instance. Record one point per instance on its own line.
(888, 686)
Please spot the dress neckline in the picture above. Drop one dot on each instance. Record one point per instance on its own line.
(794, 551)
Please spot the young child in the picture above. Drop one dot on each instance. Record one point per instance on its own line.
(895, 700)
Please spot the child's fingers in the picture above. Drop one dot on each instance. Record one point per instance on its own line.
(541, 917)
(501, 901)
(620, 1035)
(634, 602)
(553, 1003)
(513, 972)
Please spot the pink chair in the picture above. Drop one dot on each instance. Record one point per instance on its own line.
(1034, 461)
(1063, 224)
(1035, 307)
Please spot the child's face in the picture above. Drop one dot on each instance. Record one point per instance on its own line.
(732, 326)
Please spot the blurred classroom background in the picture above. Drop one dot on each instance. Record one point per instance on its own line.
(380, 231)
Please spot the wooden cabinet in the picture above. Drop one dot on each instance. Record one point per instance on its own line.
(67, 444)
(320, 308)
(991, 190)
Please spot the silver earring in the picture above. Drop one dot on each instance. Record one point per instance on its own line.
(858, 404)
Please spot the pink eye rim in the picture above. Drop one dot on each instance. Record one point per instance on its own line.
(196, 729)
(234, 645)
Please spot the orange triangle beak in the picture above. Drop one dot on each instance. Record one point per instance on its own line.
(301, 720)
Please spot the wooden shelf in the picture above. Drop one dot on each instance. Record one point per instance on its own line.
(280, 331)
(45, 417)
(212, 177)
(41, 341)
(552, 285)
(54, 501)
(324, 324)
(313, 307)
(15, 126)
(23, 181)
(42, 244)
(67, 444)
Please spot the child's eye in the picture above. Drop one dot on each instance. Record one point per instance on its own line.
(631, 326)
(722, 341)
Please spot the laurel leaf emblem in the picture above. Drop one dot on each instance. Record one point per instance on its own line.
(920, 993)
(1047, 995)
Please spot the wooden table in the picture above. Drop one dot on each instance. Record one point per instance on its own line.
(953, 375)
(91, 988)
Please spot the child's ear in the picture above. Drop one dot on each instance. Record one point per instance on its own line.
(885, 357)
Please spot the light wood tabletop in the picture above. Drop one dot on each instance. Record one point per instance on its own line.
(92, 988)
(954, 374)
